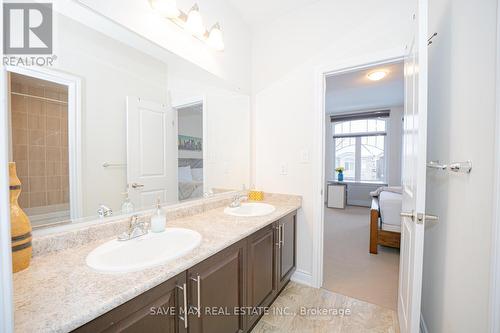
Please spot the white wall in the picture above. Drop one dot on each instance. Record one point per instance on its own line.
(231, 65)
(460, 127)
(110, 71)
(286, 54)
(227, 126)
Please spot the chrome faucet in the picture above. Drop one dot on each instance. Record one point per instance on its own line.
(136, 229)
(237, 199)
(104, 211)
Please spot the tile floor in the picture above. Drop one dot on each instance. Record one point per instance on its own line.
(359, 316)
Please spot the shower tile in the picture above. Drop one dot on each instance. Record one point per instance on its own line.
(54, 197)
(53, 154)
(36, 153)
(36, 91)
(36, 137)
(35, 107)
(54, 183)
(38, 199)
(37, 168)
(53, 110)
(36, 122)
(53, 168)
(53, 124)
(53, 139)
(37, 184)
(19, 121)
(19, 136)
(18, 104)
(20, 152)
(22, 168)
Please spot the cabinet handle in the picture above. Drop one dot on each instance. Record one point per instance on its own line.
(184, 292)
(279, 237)
(198, 291)
(282, 239)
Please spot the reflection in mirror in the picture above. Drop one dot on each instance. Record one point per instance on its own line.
(190, 150)
(116, 124)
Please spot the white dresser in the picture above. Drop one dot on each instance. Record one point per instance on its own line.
(336, 195)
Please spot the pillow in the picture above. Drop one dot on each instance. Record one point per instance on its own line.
(197, 174)
(185, 174)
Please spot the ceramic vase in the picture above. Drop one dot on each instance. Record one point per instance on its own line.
(20, 225)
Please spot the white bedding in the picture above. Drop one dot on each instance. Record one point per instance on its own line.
(390, 209)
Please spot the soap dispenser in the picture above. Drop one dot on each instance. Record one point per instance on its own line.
(127, 205)
(158, 220)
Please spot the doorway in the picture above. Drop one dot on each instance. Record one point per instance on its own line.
(190, 150)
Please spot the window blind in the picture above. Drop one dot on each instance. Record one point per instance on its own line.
(360, 115)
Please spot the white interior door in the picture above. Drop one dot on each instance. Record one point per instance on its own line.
(151, 152)
(413, 174)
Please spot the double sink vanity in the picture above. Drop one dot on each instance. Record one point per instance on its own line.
(214, 269)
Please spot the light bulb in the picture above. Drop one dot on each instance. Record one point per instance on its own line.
(215, 39)
(377, 75)
(194, 22)
(166, 8)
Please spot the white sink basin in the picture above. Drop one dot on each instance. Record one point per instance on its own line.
(143, 252)
(250, 209)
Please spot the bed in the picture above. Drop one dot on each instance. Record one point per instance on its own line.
(190, 177)
(385, 221)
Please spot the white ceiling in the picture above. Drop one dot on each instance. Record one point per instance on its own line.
(257, 11)
(353, 91)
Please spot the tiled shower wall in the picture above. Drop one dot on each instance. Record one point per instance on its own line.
(40, 143)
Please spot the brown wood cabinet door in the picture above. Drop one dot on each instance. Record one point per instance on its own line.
(287, 249)
(261, 263)
(221, 282)
(156, 311)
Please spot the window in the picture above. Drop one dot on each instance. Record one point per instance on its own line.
(360, 147)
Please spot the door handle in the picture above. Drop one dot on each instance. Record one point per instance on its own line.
(137, 185)
(458, 167)
(420, 217)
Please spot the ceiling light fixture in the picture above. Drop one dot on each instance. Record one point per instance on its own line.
(376, 75)
(192, 22)
(166, 8)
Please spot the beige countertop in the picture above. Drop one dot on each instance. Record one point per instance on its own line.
(59, 292)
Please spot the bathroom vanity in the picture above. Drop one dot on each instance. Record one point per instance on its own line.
(230, 288)
(241, 262)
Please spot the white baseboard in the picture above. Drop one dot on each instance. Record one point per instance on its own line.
(423, 326)
(302, 277)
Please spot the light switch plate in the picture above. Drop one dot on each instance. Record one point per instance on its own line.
(304, 156)
(284, 169)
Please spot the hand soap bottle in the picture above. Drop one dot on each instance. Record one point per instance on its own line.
(158, 220)
(127, 205)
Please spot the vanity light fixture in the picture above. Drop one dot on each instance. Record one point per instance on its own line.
(376, 75)
(215, 39)
(192, 22)
(166, 8)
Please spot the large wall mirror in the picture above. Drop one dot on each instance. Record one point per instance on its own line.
(112, 127)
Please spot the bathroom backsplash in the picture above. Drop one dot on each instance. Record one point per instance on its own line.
(80, 235)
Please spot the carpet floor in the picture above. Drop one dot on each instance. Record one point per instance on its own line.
(349, 269)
